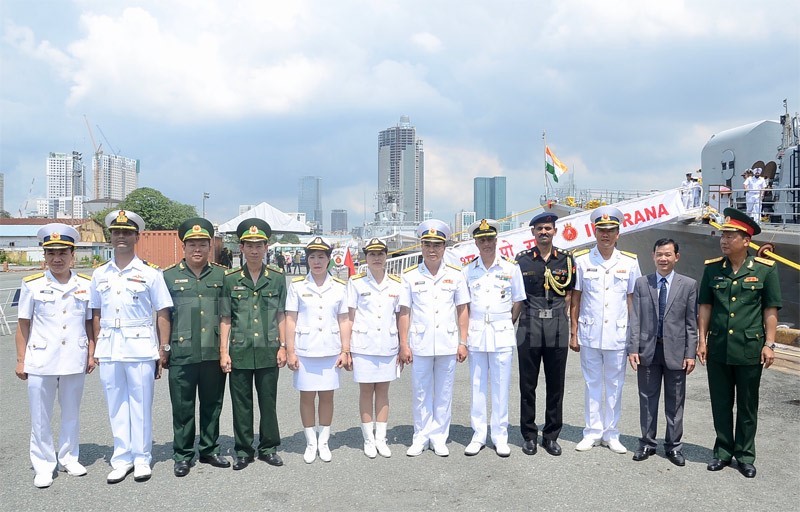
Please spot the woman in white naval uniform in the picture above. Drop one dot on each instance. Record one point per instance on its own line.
(318, 344)
(55, 351)
(495, 288)
(373, 298)
(433, 322)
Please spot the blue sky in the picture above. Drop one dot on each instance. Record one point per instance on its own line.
(241, 98)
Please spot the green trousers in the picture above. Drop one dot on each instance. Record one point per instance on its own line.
(727, 383)
(206, 381)
(266, 385)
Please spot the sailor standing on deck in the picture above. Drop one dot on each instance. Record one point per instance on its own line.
(496, 292)
(605, 279)
(125, 293)
(433, 327)
(686, 190)
(55, 347)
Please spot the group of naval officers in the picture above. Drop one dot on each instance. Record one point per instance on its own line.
(207, 324)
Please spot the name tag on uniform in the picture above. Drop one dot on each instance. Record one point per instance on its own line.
(448, 281)
(545, 313)
(591, 270)
(307, 295)
(46, 291)
(237, 288)
(366, 293)
(181, 281)
(719, 278)
(135, 280)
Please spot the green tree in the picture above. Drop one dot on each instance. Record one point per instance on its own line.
(288, 238)
(4, 214)
(157, 210)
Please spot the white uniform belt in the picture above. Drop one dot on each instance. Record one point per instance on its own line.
(489, 317)
(116, 323)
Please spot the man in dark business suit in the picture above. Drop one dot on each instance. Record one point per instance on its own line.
(662, 341)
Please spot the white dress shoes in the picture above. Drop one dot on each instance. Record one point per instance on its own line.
(43, 480)
(586, 444)
(473, 448)
(74, 469)
(615, 446)
(502, 449)
(416, 449)
(142, 472)
(441, 450)
(119, 474)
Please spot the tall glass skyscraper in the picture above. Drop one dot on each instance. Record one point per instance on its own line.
(309, 200)
(401, 170)
(489, 197)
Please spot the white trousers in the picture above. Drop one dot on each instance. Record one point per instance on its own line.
(604, 373)
(42, 391)
(754, 207)
(483, 368)
(432, 380)
(129, 393)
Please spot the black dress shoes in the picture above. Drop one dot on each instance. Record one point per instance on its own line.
(273, 459)
(748, 470)
(643, 453)
(242, 462)
(529, 447)
(676, 457)
(716, 464)
(551, 446)
(216, 460)
(181, 468)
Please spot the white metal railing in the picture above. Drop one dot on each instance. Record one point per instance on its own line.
(8, 309)
(778, 205)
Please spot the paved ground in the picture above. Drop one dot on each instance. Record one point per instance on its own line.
(596, 480)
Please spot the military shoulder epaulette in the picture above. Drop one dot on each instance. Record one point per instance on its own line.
(340, 281)
(152, 265)
(220, 265)
(409, 269)
(33, 277)
(275, 268)
(764, 261)
(713, 260)
(630, 254)
(359, 276)
(171, 266)
(101, 264)
(580, 252)
(233, 271)
(298, 279)
(85, 276)
(454, 267)
(515, 262)
(395, 277)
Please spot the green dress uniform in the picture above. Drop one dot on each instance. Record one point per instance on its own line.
(253, 309)
(735, 340)
(194, 357)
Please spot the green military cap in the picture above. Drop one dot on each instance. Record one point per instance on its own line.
(736, 220)
(375, 245)
(253, 230)
(123, 219)
(196, 227)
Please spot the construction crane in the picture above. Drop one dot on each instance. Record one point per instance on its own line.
(27, 198)
(115, 151)
(98, 150)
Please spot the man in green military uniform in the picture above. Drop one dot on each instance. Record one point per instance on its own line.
(252, 347)
(739, 299)
(193, 355)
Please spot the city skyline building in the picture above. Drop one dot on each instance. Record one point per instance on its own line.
(309, 201)
(338, 221)
(463, 221)
(489, 197)
(66, 185)
(401, 170)
(115, 176)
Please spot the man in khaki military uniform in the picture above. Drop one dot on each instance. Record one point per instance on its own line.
(739, 298)
(193, 356)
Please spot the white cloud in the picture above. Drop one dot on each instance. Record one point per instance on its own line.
(427, 42)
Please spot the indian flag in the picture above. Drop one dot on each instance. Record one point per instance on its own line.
(553, 165)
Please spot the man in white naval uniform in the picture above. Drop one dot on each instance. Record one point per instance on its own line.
(55, 351)
(125, 293)
(755, 195)
(605, 280)
(432, 328)
(686, 190)
(496, 290)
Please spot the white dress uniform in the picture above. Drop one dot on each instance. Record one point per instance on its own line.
(490, 340)
(433, 340)
(55, 361)
(602, 331)
(374, 343)
(755, 186)
(317, 340)
(686, 192)
(127, 348)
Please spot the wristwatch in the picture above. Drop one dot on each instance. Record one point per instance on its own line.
(165, 348)
(771, 346)
(282, 345)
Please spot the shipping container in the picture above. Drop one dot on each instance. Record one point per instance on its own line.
(165, 248)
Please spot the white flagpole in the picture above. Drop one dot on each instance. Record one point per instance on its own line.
(544, 159)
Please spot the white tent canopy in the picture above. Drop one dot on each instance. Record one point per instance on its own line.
(279, 222)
